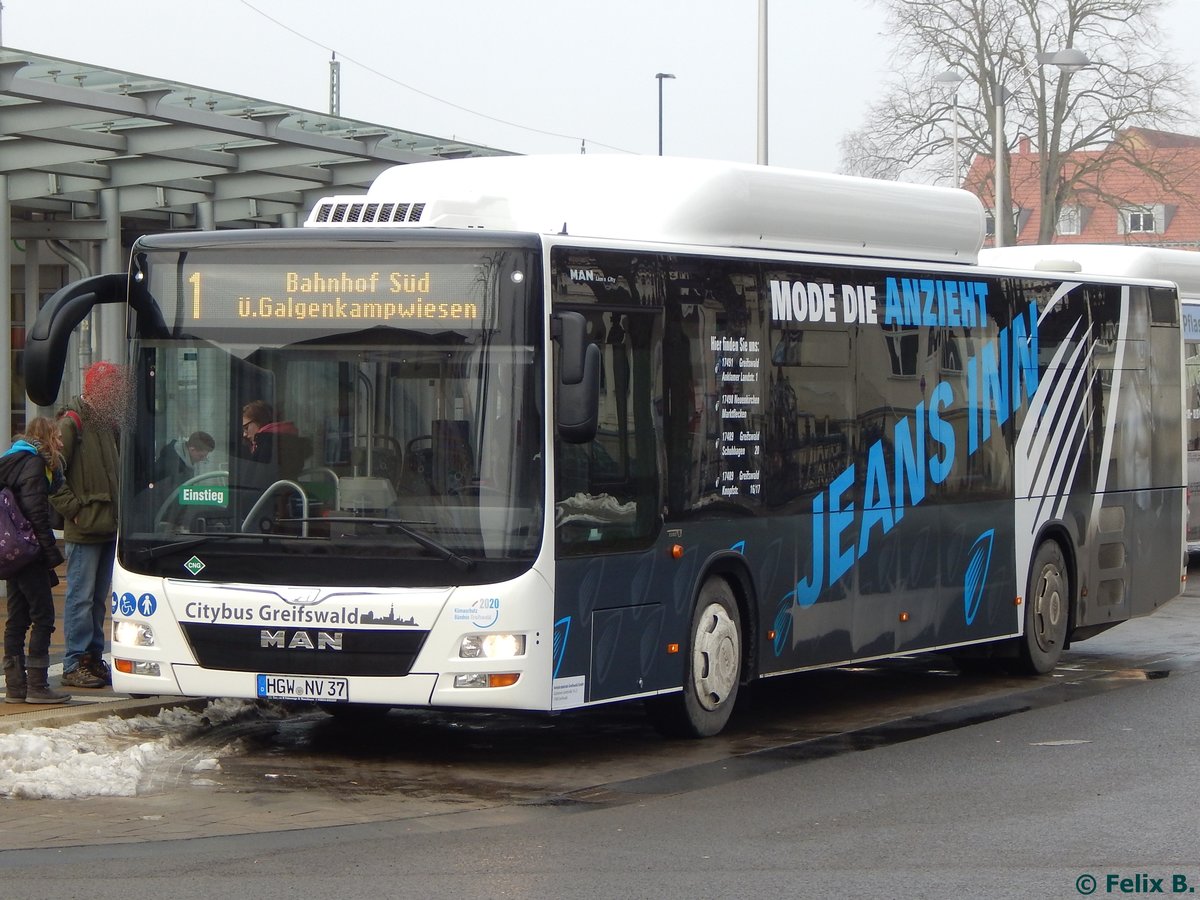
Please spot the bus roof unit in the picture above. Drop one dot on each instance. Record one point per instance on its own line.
(674, 201)
(1158, 263)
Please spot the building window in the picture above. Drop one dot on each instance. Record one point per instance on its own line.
(1140, 220)
(902, 344)
(990, 221)
(1144, 219)
(1070, 220)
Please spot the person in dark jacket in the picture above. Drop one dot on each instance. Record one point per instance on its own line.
(268, 441)
(177, 461)
(88, 503)
(31, 467)
(275, 444)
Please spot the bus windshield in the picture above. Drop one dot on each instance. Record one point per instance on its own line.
(376, 407)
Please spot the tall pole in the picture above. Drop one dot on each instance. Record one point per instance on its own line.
(335, 86)
(762, 82)
(957, 179)
(660, 76)
(998, 165)
(953, 77)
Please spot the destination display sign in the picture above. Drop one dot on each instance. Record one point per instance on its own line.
(287, 295)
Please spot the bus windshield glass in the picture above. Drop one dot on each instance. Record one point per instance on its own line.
(375, 406)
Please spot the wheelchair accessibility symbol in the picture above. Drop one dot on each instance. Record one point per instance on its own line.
(144, 605)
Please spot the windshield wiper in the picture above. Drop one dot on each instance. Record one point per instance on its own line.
(213, 536)
(403, 526)
(163, 549)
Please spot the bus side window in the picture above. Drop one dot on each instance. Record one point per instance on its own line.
(607, 489)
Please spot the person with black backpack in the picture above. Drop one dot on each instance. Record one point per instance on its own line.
(32, 468)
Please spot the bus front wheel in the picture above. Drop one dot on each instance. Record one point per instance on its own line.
(713, 671)
(1047, 610)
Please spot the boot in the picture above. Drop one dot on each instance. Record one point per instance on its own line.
(38, 689)
(97, 668)
(14, 679)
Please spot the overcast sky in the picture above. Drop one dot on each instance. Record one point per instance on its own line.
(531, 76)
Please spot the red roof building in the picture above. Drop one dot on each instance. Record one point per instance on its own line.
(1141, 189)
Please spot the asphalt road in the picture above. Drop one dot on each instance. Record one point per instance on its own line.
(906, 781)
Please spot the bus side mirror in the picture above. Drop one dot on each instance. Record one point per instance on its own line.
(46, 342)
(577, 394)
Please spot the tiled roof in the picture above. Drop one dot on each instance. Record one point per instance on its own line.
(1143, 170)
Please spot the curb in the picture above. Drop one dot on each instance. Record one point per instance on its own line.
(89, 710)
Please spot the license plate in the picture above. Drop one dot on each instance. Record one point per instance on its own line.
(303, 687)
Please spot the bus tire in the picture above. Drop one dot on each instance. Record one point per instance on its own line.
(1047, 611)
(713, 670)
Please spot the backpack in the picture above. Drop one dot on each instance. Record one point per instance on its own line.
(19, 545)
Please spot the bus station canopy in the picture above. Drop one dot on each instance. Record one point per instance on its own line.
(176, 155)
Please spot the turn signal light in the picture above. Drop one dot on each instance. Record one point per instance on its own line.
(131, 667)
(486, 680)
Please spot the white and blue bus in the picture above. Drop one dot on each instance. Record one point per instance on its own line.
(557, 432)
(1181, 268)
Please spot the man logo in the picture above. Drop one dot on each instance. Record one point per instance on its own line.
(299, 640)
(302, 598)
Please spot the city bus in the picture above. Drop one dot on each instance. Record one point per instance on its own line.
(1181, 267)
(555, 432)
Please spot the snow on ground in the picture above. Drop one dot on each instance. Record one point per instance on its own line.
(115, 757)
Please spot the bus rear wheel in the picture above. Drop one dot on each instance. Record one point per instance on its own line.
(713, 671)
(1047, 611)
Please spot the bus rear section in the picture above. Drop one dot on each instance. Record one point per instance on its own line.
(1191, 405)
(1179, 267)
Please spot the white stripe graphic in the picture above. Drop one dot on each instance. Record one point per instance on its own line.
(1110, 417)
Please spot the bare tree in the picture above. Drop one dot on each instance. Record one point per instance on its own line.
(999, 48)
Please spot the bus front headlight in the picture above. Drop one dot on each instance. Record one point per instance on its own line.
(136, 634)
(492, 646)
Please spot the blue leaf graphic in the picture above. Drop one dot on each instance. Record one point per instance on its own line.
(561, 629)
(979, 560)
(783, 624)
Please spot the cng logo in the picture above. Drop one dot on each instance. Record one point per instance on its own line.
(194, 565)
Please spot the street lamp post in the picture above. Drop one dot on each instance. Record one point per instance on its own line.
(761, 156)
(660, 76)
(1066, 61)
(998, 170)
(954, 77)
